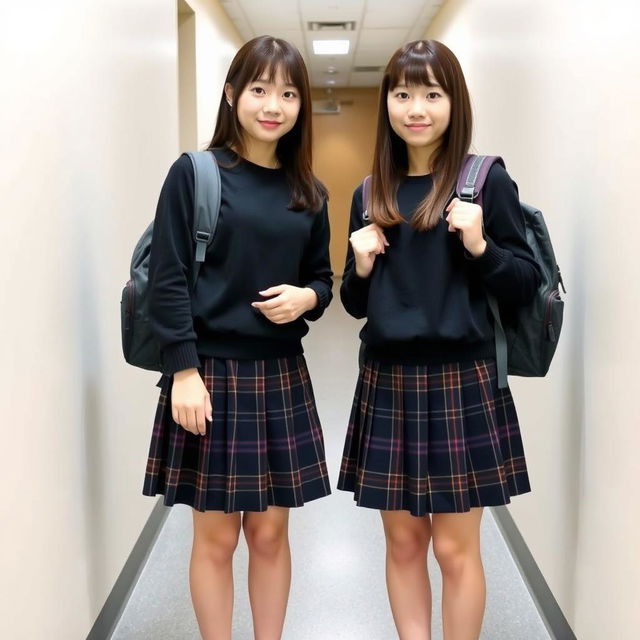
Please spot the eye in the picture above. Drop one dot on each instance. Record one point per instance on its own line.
(402, 95)
(290, 94)
(259, 91)
(433, 95)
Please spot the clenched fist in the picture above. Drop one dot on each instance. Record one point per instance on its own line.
(367, 243)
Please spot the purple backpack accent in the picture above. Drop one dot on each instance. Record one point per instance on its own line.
(473, 176)
(366, 186)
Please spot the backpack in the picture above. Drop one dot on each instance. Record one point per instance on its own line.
(138, 343)
(527, 348)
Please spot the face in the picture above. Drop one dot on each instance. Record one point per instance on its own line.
(267, 110)
(419, 114)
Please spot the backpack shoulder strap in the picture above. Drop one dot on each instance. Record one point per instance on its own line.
(473, 176)
(469, 189)
(366, 193)
(206, 203)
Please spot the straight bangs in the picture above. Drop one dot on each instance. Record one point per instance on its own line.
(409, 66)
(266, 56)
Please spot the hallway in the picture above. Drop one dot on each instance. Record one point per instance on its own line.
(338, 589)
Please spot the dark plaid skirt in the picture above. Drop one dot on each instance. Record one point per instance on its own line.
(264, 447)
(432, 439)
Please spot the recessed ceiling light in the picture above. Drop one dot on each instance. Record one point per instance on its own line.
(331, 47)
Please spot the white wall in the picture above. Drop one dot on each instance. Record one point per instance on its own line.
(555, 91)
(89, 127)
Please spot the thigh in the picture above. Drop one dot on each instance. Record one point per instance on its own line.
(275, 519)
(402, 522)
(215, 526)
(461, 529)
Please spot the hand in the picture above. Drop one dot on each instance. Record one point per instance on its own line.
(467, 218)
(190, 401)
(367, 243)
(287, 304)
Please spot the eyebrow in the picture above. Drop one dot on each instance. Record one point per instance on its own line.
(429, 86)
(266, 81)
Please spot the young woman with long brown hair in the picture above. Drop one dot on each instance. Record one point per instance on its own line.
(432, 439)
(237, 435)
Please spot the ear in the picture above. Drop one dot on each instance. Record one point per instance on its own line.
(228, 92)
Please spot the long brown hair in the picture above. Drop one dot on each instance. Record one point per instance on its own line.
(294, 148)
(409, 65)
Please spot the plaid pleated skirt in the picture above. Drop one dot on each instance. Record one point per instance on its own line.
(432, 439)
(264, 446)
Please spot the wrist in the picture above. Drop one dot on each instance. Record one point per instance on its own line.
(478, 250)
(185, 373)
(312, 299)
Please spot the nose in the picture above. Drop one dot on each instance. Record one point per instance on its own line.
(417, 108)
(272, 104)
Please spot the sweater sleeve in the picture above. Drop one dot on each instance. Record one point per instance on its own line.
(316, 270)
(508, 267)
(170, 260)
(354, 291)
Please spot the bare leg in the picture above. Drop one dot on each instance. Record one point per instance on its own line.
(456, 545)
(408, 583)
(215, 537)
(269, 569)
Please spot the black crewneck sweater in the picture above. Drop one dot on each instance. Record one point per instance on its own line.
(259, 243)
(425, 300)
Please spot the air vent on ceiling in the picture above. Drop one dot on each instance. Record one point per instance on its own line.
(331, 26)
(365, 69)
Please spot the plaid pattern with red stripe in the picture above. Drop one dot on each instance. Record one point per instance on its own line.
(265, 445)
(432, 439)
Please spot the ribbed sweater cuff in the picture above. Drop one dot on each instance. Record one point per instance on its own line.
(324, 297)
(179, 356)
(357, 286)
(492, 258)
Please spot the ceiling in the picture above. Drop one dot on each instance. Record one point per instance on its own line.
(379, 28)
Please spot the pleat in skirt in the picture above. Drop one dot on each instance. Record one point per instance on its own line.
(432, 439)
(264, 446)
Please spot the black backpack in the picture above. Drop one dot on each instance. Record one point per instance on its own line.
(527, 348)
(138, 343)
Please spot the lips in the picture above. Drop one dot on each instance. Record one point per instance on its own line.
(269, 124)
(417, 127)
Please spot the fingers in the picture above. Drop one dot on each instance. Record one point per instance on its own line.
(208, 408)
(268, 305)
(193, 419)
(273, 291)
(368, 240)
(452, 204)
(200, 425)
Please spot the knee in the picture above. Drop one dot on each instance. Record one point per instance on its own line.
(453, 556)
(217, 545)
(406, 545)
(265, 539)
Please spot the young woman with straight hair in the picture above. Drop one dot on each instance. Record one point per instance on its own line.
(237, 435)
(432, 439)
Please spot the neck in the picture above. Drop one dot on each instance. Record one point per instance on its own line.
(261, 153)
(420, 160)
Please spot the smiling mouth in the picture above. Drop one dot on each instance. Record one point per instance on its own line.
(269, 123)
(417, 126)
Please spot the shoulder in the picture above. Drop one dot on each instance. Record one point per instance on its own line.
(499, 180)
(358, 193)
(180, 172)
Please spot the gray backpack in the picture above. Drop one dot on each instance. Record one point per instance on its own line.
(527, 348)
(138, 343)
